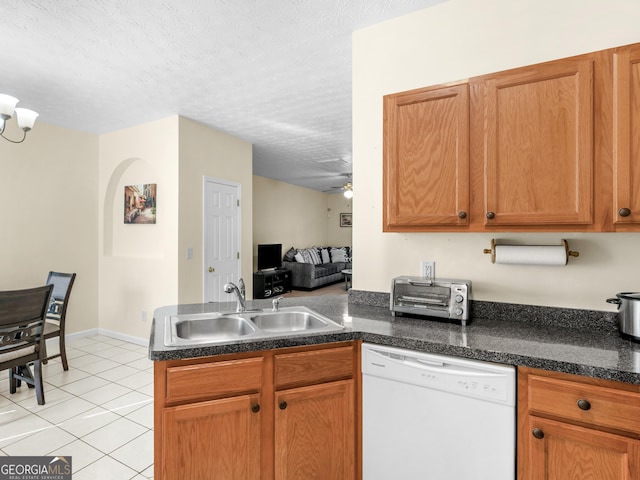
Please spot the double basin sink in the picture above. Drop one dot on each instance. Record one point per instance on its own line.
(219, 327)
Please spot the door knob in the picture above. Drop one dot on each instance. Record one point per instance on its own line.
(491, 215)
(211, 269)
(536, 432)
(283, 405)
(255, 408)
(624, 212)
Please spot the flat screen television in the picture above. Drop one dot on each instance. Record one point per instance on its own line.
(270, 256)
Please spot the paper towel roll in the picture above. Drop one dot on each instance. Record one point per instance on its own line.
(531, 254)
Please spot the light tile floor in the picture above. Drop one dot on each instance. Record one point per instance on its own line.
(100, 411)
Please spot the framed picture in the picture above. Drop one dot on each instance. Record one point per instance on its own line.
(345, 220)
(140, 203)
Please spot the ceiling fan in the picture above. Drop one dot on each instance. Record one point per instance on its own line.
(347, 187)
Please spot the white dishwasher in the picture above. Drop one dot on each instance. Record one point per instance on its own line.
(436, 417)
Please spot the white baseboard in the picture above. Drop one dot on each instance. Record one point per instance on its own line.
(83, 333)
(109, 333)
(144, 342)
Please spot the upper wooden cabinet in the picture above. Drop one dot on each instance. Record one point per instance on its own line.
(537, 144)
(626, 138)
(548, 147)
(426, 158)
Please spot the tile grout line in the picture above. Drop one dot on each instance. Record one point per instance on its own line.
(88, 347)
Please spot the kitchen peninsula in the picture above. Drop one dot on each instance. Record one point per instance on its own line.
(320, 373)
(565, 340)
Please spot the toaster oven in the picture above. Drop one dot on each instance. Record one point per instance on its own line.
(440, 298)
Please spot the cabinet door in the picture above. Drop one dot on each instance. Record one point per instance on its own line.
(626, 148)
(426, 158)
(538, 145)
(568, 452)
(217, 439)
(315, 432)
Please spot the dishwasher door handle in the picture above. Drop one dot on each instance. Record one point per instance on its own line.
(447, 369)
(432, 366)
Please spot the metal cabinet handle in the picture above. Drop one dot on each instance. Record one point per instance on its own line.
(255, 408)
(211, 269)
(282, 405)
(491, 215)
(584, 404)
(624, 212)
(462, 214)
(536, 432)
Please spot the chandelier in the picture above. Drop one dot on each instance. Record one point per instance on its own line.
(25, 117)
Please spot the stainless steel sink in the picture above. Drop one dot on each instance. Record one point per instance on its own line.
(292, 321)
(219, 327)
(193, 329)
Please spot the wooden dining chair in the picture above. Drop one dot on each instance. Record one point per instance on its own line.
(57, 313)
(22, 317)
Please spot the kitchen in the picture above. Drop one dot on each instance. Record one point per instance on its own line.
(466, 39)
(77, 169)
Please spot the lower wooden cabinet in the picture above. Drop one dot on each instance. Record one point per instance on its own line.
(570, 452)
(279, 414)
(216, 439)
(575, 428)
(314, 428)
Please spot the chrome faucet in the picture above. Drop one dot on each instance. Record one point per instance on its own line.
(232, 287)
(243, 290)
(276, 304)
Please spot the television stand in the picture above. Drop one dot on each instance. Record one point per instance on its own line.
(267, 284)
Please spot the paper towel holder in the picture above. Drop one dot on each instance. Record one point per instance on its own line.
(492, 251)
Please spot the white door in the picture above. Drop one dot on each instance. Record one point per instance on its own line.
(221, 238)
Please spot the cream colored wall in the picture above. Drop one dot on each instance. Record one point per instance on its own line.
(456, 40)
(49, 215)
(287, 214)
(208, 152)
(138, 263)
(338, 236)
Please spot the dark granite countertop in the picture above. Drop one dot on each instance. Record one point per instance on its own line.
(566, 340)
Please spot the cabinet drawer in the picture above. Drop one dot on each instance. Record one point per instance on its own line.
(607, 408)
(211, 380)
(317, 366)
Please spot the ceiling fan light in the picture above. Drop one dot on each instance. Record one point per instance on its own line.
(7, 106)
(348, 193)
(26, 118)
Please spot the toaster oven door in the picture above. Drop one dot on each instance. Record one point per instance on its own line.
(421, 299)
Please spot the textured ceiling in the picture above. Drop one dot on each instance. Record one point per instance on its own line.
(275, 73)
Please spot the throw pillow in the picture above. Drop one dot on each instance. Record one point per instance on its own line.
(290, 255)
(338, 255)
(324, 253)
(305, 255)
(299, 258)
(314, 256)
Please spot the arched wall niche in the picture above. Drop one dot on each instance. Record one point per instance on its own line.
(113, 199)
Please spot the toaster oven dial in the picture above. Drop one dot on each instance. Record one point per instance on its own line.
(458, 311)
(458, 298)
